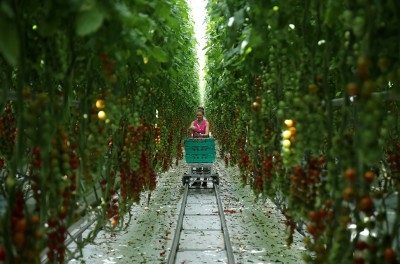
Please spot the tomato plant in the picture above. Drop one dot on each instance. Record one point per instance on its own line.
(84, 90)
(312, 63)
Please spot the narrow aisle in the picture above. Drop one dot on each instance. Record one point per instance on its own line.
(257, 231)
(202, 238)
(150, 232)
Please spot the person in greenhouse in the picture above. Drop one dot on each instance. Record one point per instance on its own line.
(200, 128)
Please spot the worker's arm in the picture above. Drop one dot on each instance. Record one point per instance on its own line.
(207, 132)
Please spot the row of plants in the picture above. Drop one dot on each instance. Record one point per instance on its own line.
(92, 95)
(303, 97)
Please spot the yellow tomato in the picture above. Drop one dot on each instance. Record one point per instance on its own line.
(286, 143)
(286, 134)
(100, 104)
(292, 130)
(289, 122)
(101, 115)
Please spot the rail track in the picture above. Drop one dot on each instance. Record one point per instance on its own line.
(201, 234)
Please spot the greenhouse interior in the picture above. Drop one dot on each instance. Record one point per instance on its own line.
(199, 131)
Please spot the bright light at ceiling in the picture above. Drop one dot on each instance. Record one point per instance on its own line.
(198, 13)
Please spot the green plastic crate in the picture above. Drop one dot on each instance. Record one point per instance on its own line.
(200, 146)
(200, 150)
(200, 158)
(197, 142)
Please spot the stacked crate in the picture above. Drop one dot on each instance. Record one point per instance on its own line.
(200, 150)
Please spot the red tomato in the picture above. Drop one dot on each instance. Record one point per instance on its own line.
(2, 254)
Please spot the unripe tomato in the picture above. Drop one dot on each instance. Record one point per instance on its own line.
(313, 88)
(368, 87)
(383, 64)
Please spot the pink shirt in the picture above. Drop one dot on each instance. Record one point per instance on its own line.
(200, 128)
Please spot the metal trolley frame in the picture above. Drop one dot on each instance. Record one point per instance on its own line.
(200, 156)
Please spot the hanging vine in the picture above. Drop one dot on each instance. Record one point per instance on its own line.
(309, 114)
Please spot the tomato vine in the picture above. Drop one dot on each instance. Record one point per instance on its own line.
(330, 70)
(92, 99)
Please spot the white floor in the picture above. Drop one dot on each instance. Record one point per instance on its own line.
(256, 229)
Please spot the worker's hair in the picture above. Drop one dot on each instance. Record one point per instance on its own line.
(201, 109)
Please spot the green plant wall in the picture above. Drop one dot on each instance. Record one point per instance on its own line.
(91, 97)
(304, 99)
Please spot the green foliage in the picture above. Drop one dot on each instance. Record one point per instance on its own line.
(269, 61)
(62, 63)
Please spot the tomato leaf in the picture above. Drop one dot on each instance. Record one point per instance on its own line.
(9, 41)
(159, 54)
(89, 21)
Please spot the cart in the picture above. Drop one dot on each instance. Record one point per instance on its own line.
(200, 156)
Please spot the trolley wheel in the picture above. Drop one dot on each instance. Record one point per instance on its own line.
(185, 179)
(216, 179)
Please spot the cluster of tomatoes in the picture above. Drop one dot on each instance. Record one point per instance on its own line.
(57, 234)
(351, 195)
(393, 160)
(288, 140)
(365, 249)
(130, 163)
(304, 183)
(320, 219)
(25, 230)
(111, 200)
(65, 162)
(130, 185)
(263, 179)
(8, 132)
(157, 138)
(179, 154)
(244, 163)
(225, 142)
(319, 223)
(167, 154)
(266, 169)
(147, 176)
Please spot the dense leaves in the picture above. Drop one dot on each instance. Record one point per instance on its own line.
(92, 97)
(333, 68)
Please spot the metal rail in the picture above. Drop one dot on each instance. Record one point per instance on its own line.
(177, 236)
(228, 246)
